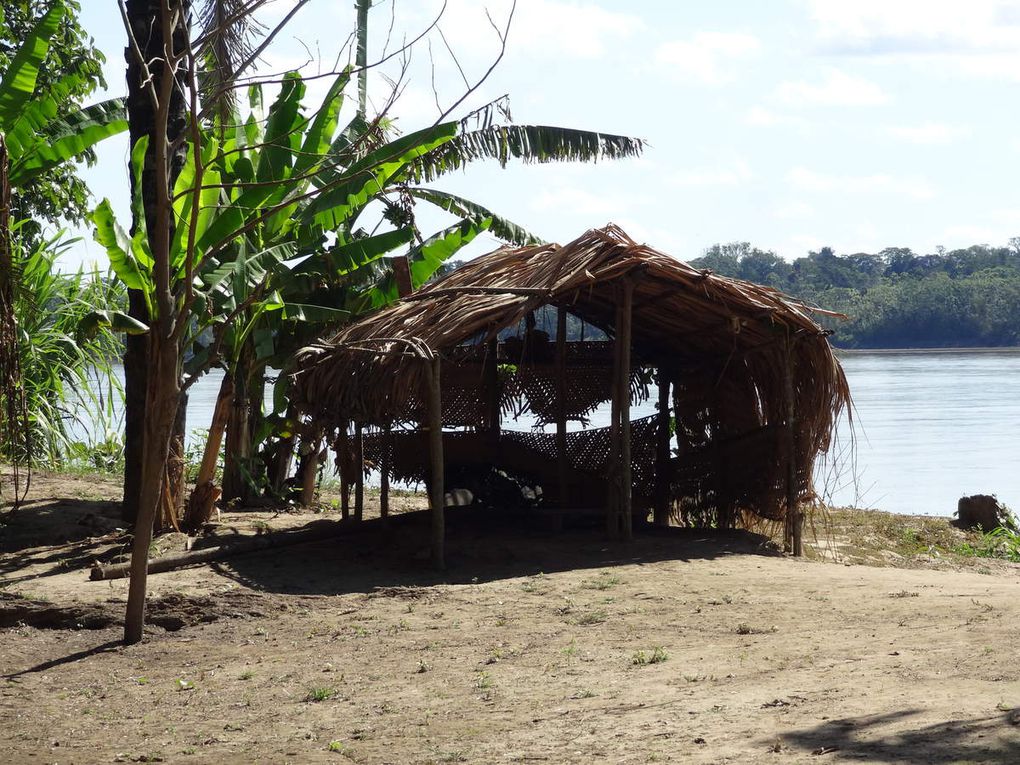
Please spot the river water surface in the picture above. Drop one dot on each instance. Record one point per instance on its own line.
(929, 427)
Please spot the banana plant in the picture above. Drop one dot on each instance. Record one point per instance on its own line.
(268, 213)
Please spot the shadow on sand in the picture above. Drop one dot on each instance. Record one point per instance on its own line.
(480, 546)
(992, 740)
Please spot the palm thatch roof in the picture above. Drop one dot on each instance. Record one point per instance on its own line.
(756, 387)
(682, 316)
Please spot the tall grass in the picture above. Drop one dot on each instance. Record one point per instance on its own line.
(66, 359)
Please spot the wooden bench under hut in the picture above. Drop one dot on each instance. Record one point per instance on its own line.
(747, 385)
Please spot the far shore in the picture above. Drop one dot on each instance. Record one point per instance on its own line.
(917, 351)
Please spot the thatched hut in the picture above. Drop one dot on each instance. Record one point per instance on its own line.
(747, 385)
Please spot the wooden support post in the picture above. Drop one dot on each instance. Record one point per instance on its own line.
(794, 517)
(492, 391)
(613, 497)
(438, 493)
(384, 473)
(562, 464)
(343, 457)
(311, 473)
(359, 472)
(662, 461)
(624, 339)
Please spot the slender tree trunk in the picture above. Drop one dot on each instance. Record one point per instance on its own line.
(145, 21)
(162, 394)
(163, 119)
(238, 448)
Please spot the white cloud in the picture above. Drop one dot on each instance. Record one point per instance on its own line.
(801, 244)
(734, 173)
(793, 209)
(759, 116)
(707, 57)
(928, 133)
(808, 180)
(583, 203)
(554, 27)
(837, 89)
(967, 234)
(978, 37)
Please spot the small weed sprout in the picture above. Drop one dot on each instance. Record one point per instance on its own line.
(604, 581)
(657, 656)
(589, 618)
(484, 681)
(320, 693)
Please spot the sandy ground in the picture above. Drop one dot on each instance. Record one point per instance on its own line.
(537, 645)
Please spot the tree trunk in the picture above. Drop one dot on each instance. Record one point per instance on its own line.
(145, 21)
(163, 119)
(238, 452)
(162, 394)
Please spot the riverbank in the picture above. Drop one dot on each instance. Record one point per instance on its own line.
(536, 645)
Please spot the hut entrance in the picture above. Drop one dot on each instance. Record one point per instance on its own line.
(744, 384)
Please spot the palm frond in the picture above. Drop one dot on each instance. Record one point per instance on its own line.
(501, 227)
(528, 143)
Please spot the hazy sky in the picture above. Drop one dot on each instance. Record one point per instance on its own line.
(791, 124)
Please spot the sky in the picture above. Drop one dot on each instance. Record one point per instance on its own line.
(791, 124)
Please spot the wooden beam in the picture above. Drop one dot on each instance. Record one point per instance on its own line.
(662, 461)
(359, 472)
(624, 339)
(311, 474)
(613, 496)
(562, 465)
(343, 454)
(794, 517)
(438, 492)
(384, 473)
(492, 389)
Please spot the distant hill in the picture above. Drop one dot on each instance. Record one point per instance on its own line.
(895, 298)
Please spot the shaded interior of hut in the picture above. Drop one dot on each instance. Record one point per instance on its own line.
(530, 420)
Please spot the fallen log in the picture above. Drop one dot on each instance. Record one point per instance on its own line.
(315, 533)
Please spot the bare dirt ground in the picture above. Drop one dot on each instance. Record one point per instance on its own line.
(536, 646)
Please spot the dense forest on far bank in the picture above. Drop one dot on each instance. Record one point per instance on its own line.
(895, 298)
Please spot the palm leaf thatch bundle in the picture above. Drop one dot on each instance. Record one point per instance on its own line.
(732, 349)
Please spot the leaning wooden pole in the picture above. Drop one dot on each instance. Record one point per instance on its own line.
(562, 464)
(204, 496)
(436, 497)
(626, 480)
(794, 517)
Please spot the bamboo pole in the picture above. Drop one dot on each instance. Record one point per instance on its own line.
(662, 478)
(438, 493)
(624, 339)
(562, 465)
(384, 471)
(794, 518)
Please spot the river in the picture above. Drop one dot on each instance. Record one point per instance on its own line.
(928, 428)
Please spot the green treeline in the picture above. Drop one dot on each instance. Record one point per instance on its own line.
(895, 298)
